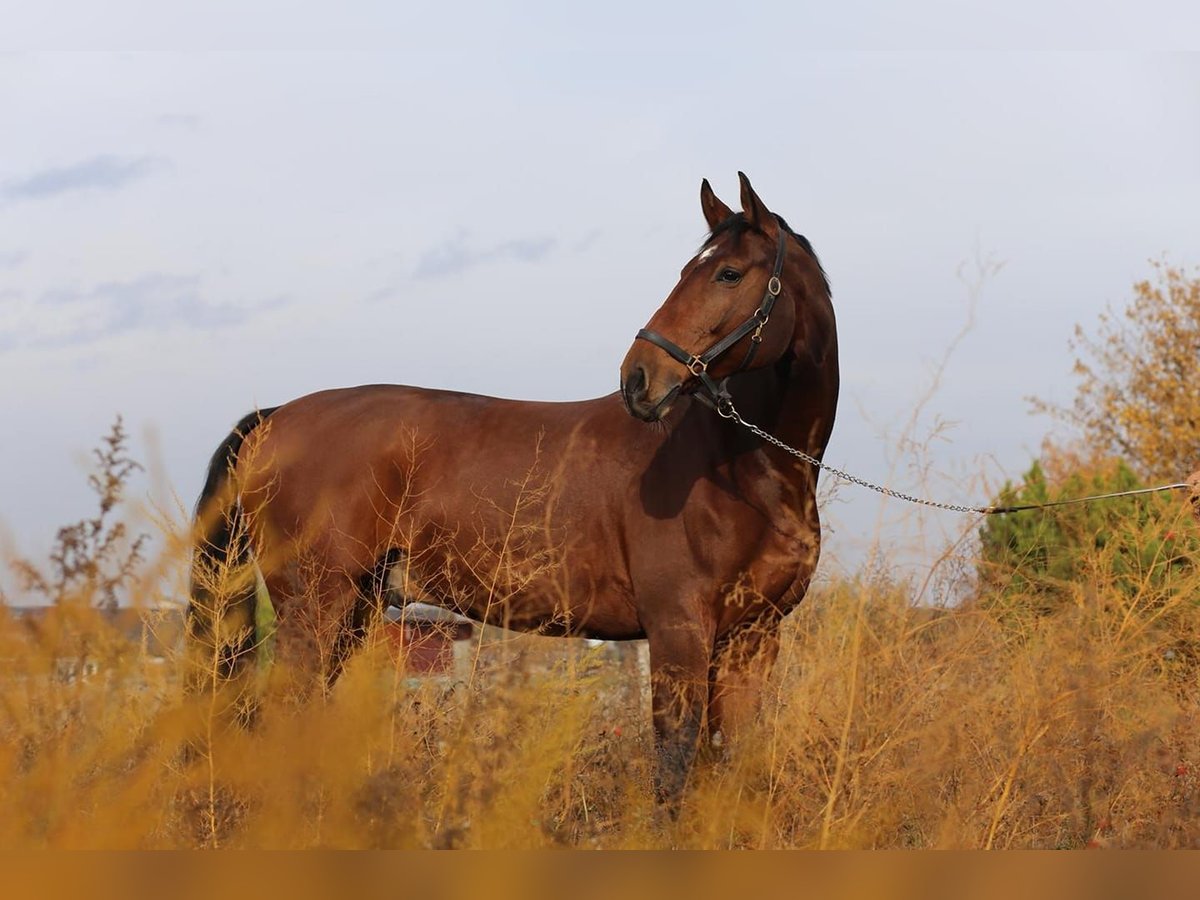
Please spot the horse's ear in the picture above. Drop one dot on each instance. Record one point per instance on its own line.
(715, 212)
(755, 210)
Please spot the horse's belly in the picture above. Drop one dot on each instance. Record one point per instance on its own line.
(532, 571)
(527, 595)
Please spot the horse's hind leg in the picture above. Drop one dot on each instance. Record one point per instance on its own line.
(321, 620)
(371, 594)
(311, 615)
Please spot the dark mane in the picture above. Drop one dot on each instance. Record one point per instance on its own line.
(737, 225)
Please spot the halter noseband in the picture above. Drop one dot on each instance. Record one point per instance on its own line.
(753, 326)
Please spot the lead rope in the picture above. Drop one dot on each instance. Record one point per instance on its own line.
(726, 409)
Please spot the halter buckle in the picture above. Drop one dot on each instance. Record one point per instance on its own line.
(697, 366)
(774, 286)
(763, 318)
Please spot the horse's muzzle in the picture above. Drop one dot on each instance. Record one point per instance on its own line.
(635, 391)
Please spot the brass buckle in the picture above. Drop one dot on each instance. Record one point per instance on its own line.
(774, 286)
(696, 366)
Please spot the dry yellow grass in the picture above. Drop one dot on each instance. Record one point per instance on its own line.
(886, 726)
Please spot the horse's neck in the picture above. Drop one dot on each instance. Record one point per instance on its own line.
(794, 400)
(807, 406)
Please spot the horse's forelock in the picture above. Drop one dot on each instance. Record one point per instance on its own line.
(737, 225)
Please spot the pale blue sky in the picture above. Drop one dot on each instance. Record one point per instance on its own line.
(186, 235)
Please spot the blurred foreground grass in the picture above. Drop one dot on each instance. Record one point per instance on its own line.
(886, 726)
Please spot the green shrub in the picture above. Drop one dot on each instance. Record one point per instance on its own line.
(1140, 546)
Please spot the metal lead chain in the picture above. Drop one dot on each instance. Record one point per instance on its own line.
(727, 410)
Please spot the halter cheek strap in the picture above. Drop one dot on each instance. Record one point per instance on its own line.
(753, 326)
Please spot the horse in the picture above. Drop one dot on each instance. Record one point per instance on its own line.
(643, 514)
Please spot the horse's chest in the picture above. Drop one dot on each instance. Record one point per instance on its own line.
(763, 539)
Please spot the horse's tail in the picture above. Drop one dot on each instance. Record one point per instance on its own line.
(221, 609)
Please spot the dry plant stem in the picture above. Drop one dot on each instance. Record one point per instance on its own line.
(780, 676)
(843, 750)
(1009, 778)
(525, 495)
(912, 450)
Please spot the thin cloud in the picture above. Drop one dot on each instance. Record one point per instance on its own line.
(12, 258)
(585, 242)
(456, 255)
(387, 292)
(153, 302)
(105, 173)
(182, 121)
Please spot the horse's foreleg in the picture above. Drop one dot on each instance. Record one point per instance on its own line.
(741, 664)
(680, 655)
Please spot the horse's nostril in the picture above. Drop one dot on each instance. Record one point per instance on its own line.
(637, 382)
(633, 391)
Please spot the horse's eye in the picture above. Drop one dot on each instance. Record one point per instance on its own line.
(729, 276)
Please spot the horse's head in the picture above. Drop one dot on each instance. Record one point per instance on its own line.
(734, 309)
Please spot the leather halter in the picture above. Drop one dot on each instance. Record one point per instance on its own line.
(698, 364)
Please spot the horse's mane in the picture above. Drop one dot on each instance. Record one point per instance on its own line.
(737, 225)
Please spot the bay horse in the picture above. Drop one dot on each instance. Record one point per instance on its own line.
(639, 515)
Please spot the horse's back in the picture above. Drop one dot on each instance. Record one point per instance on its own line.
(362, 470)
